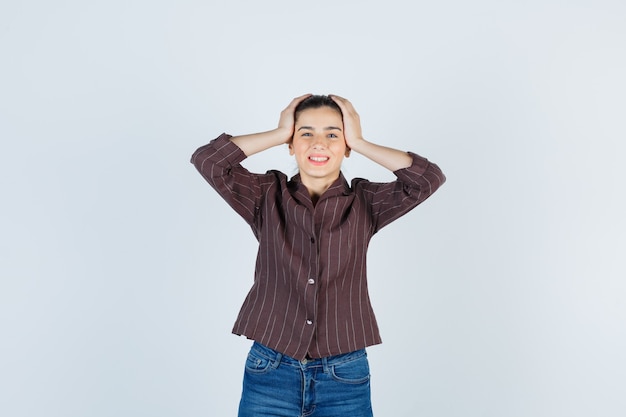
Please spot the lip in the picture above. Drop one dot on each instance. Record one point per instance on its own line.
(318, 160)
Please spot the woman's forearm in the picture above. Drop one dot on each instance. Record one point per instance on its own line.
(390, 158)
(257, 142)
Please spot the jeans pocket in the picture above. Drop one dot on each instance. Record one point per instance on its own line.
(257, 364)
(353, 372)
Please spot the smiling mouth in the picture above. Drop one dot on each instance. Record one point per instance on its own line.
(318, 159)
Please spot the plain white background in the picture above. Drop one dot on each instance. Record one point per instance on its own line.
(122, 271)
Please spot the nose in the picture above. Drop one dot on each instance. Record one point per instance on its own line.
(319, 142)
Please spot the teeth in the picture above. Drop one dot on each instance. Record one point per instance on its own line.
(318, 158)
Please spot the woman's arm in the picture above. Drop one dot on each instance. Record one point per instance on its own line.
(257, 142)
(392, 159)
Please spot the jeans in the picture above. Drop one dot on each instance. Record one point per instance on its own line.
(277, 385)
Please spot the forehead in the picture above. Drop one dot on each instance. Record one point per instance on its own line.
(319, 116)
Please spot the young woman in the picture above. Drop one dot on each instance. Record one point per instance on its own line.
(308, 311)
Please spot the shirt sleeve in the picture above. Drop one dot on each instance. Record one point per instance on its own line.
(219, 163)
(414, 184)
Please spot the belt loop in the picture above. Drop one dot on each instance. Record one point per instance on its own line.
(325, 365)
(276, 360)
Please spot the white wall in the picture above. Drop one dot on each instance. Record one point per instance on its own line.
(121, 271)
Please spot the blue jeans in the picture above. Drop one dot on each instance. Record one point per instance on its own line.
(277, 385)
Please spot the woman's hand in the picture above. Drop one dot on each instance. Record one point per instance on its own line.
(351, 122)
(390, 158)
(257, 142)
(287, 121)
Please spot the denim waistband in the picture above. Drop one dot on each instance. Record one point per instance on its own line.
(278, 357)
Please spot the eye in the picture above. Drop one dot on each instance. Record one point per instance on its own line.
(307, 134)
(332, 136)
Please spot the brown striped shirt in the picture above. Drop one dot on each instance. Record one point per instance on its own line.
(309, 294)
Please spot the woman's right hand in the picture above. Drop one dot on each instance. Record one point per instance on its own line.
(287, 121)
(257, 142)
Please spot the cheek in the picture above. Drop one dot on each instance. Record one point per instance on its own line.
(340, 148)
(298, 151)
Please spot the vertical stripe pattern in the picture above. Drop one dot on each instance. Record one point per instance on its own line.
(309, 294)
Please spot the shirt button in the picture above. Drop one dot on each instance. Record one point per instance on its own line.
(309, 322)
(312, 240)
(311, 281)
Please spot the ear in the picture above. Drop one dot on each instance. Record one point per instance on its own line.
(290, 145)
(348, 152)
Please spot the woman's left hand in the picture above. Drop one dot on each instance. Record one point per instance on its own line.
(351, 121)
(390, 158)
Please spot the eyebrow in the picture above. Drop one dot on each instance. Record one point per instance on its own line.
(326, 128)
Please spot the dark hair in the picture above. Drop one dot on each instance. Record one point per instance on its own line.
(315, 102)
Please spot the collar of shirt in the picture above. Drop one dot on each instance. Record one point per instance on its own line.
(299, 191)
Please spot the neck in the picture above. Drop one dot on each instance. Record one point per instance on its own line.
(316, 187)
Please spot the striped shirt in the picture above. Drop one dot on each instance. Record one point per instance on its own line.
(310, 296)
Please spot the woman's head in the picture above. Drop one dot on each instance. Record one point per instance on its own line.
(318, 142)
(315, 102)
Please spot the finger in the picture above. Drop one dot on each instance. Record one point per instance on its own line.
(339, 100)
(343, 103)
(297, 100)
(288, 112)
